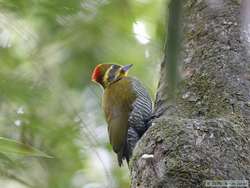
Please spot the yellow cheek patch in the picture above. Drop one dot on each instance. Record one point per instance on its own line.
(112, 74)
(106, 75)
(125, 73)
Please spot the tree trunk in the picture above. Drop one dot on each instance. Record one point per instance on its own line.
(204, 133)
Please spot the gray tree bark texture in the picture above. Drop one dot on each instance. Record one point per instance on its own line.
(204, 133)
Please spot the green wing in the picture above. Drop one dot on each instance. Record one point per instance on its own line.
(117, 105)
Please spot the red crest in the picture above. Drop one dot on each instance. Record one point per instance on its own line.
(96, 73)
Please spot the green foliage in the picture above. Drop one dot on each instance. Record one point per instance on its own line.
(48, 51)
(8, 146)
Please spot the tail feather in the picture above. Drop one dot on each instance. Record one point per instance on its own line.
(123, 154)
(126, 152)
(120, 158)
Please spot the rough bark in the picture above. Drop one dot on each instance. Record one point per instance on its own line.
(204, 133)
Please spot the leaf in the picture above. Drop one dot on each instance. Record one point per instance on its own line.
(9, 146)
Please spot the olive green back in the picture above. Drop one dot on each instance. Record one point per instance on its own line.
(117, 105)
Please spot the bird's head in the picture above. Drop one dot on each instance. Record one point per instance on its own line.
(106, 74)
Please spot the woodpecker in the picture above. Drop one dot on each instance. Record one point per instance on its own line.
(127, 107)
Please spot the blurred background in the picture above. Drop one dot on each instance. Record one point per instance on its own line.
(52, 129)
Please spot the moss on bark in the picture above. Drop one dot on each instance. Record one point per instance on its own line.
(204, 133)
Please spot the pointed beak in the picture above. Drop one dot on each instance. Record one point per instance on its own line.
(126, 67)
